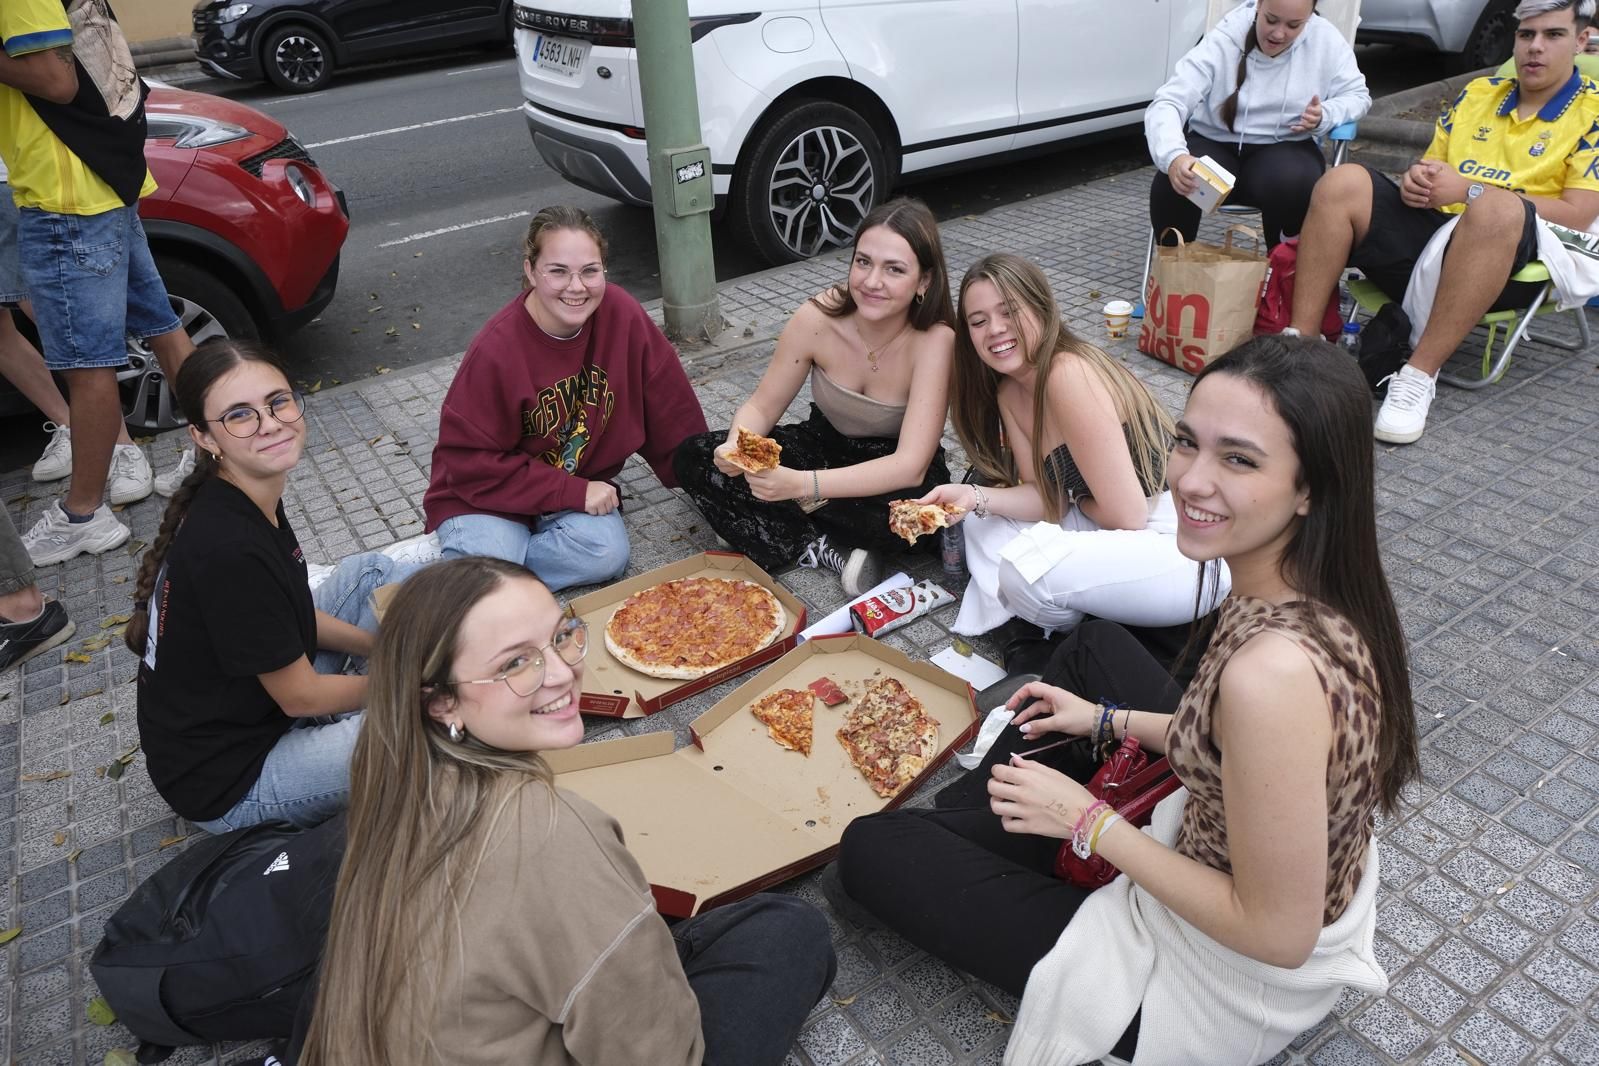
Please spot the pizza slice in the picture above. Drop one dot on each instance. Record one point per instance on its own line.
(889, 736)
(788, 717)
(754, 453)
(911, 520)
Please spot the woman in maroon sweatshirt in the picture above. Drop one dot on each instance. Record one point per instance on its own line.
(556, 391)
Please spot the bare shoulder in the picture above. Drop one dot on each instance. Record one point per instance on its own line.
(1271, 676)
(935, 342)
(1076, 391)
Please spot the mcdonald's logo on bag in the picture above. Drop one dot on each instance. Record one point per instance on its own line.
(1201, 301)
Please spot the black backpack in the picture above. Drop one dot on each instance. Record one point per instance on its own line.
(222, 942)
(1384, 347)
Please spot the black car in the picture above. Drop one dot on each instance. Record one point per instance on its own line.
(297, 44)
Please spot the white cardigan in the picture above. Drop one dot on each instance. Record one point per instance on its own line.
(1201, 1001)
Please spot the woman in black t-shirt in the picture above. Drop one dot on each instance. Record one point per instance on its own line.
(244, 705)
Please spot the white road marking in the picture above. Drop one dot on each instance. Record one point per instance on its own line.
(474, 70)
(454, 229)
(414, 126)
(291, 99)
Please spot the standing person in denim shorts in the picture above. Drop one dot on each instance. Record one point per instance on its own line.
(74, 145)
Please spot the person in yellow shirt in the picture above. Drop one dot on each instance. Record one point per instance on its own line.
(73, 141)
(1507, 152)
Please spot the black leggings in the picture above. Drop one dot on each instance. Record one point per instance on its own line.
(774, 534)
(952, 881)
(1277, 178)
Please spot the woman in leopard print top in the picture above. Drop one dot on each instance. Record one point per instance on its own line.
(1250, 902)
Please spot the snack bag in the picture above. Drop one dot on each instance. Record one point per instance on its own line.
(889, 610)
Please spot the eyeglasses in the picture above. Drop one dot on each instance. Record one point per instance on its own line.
(245, 421)
(560, 277)
(571, 643)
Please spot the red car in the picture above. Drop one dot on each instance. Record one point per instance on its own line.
(245, 229)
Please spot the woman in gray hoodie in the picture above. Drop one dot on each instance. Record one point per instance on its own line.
(1252, 95)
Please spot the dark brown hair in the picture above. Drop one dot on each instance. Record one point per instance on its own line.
(559, 217)
(1229, 106)
(209, 362)
(912, 220)
(1332, 557)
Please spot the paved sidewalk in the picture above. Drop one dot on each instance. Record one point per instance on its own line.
(1489, 923)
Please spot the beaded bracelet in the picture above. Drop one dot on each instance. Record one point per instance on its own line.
(979, 502)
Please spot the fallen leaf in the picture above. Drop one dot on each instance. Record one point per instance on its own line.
(844, 1002)
(59, 839)
(383, 370)
(77, 657)
(357, 329)
(374, 295)
(120, 1056)
(96, 644)
(10, 934)
(334, 381)
(72, 856)
(1506, 887)
(91, 692)
(99, 1012)
(127, 756)
(114, 771)
(392, 331)
(378, 307)
(51, 775)
(315, 386)
(65, 696)
(1094, 294)
(377, 438)
(135, 546)
(115, 620)
(961, 647)
(119, 581)
(167, 842)
(108, 717)
(1002, 1019)
(99, 771)
(416, 325)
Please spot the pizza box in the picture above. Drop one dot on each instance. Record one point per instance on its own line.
(616, 691)
(734, 813)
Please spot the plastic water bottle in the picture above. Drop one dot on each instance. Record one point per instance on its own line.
(952, 541)
(1350, 340)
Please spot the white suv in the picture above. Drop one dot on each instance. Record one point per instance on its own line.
(814, 109)
(1474, 33)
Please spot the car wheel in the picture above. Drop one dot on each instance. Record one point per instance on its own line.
(207, 308)
(1492, 40)
(297, 59)
(814, 173)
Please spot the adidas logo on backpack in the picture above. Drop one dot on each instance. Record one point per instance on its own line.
(279, 864)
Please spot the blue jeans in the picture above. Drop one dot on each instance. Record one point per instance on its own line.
(564, 549)
(306, 777)
(92, 282)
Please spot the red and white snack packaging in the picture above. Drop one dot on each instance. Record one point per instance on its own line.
(889, 610)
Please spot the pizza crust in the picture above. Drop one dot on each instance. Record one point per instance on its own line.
(743, 630)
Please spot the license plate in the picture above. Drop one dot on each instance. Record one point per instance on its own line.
(560, 55)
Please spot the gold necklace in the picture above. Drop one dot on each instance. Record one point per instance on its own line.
(873, 354)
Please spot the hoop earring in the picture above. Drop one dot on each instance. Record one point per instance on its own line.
(917, 299)
(457, 734)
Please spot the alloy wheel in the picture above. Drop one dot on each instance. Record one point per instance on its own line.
(821, 189)
(299, 59)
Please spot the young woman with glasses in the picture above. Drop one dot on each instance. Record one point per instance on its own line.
(557, 391)
(484, 916)
(245, 682)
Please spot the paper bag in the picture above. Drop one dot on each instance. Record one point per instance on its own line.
(1201, 300)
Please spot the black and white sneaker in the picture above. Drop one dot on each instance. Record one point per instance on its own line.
(858, 571)
(21, 641)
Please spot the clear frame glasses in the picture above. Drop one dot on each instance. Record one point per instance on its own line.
(570, 642)
(245, 421)
(559, 277)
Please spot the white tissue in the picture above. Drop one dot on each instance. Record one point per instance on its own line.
(993, 726)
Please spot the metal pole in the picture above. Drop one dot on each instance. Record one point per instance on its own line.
(680, 170)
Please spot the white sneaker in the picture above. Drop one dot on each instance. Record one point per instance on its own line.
(1403, 416)
(130, 478)
(417, 551)
(173, 479)
(55, 538)
(56, 462)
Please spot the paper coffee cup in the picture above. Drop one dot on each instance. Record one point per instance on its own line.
(1118, 313)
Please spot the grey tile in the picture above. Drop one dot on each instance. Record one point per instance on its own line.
(1344, 1050)
(1506, 939)
(1563, 975)
(929, 980)
(1467, 967)
(1390, 1029)
(881, 1010)
(831, 1040)
(1528, 1006)
(1429, 997)
(1532, 906)
(1580, 1046)
(920, 1047)
(1491, 1040)
(1442, 898)
(1581, 938)
(1540, 823)
(971, 1023)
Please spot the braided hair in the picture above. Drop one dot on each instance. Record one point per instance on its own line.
(210, 361)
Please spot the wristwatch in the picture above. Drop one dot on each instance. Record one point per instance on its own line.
(1474, 191)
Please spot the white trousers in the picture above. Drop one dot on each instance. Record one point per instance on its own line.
(1052, 575)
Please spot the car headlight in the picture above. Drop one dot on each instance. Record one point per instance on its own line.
(233, 12)
(300, 184)
(193, 131)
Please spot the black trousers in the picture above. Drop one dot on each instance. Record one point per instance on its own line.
(952, 881)
(1277, 178)
(774, 534)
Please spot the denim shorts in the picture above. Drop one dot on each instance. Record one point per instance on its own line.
(93, 283)
(11, 288)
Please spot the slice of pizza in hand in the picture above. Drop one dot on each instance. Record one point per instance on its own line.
(788, 717)
(754, 453)
(910, 519)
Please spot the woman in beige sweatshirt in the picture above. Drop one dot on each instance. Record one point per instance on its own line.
(483, 916)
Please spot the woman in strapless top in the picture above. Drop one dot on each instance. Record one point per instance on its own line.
(1068, 515)
(876, 351)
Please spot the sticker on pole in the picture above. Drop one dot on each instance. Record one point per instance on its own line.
(693, 172)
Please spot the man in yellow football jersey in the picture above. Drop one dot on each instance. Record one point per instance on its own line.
(1506, 152)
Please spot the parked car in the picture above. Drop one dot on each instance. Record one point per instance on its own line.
(1474, 33)
(814, 110)
(298, 44)
(245, 230)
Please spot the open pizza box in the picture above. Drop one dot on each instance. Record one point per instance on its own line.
(734, 813)
(616, 691)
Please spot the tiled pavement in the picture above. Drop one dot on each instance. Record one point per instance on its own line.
(1489, 923)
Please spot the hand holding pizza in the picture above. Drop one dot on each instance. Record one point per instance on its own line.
(962, 496)
(1051, 710)
(719, 458)
(1032, 798)
(778, 484)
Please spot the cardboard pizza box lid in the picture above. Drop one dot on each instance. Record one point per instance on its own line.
(735, 813)
(617, 691)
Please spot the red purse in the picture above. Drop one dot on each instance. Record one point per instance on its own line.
(1131, 784)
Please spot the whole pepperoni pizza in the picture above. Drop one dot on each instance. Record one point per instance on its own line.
(693, 626)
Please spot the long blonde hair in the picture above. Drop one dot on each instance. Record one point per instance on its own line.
(421, 807)
(974, 387)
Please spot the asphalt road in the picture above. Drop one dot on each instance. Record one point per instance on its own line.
(441, 177)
